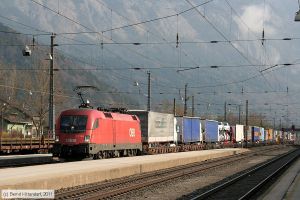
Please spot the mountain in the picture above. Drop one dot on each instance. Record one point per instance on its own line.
(219, 53)
(25, 80)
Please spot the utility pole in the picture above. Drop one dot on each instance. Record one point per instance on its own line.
(185, 100)
(149, 91)
(246, 112)
(225, 112)
(246, 127)
(193, 107)
(280, 124)
(239, 114)
(51, 85)
(174, 107)
(2, 109)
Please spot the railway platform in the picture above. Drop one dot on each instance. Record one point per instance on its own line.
(288, 185)
(19, 160)
(62, 175)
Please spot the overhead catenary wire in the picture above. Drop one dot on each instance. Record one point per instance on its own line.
(129, 25)
(223, 35)
(46, 33)
(25, 25)
(139, 43)
(93, 31)
(177, 13)
(151, 20)
(147, 21)
(112, 68)
(228, 66)
(219, 66)
(234, 82)
(36, 91)
(78, 23)
(257, 37)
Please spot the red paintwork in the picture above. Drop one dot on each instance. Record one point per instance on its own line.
(114, 130)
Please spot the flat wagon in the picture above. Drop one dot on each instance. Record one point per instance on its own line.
(22, 145)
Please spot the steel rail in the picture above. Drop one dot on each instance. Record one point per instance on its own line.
(248, 173)
(163, 175)
(274, 174)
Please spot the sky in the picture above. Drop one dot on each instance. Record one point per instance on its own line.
(222, 33)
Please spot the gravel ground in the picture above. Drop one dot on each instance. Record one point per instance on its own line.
(177, 188)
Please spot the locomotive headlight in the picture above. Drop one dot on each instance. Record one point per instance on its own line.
(87, 138)
(56, 138)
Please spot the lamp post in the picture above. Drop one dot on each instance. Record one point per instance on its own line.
(149, 92)
(239, 113)
(193, 106)
(185, 100)
(225, 111)
(246, 127)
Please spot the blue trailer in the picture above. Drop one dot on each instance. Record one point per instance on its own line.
(255, 133)
(210, 131)
(188, 129)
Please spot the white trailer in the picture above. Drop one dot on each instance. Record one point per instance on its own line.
(239, 133)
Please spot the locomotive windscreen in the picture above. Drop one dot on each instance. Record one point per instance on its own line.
(73, 123)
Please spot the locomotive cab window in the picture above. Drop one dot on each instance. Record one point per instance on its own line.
(133, 117)
(96, 124)
(73, 123)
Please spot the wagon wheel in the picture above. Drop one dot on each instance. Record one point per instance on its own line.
(129, 153)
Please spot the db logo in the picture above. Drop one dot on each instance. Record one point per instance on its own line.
(131, 132)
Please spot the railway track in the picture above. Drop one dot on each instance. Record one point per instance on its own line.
(28, 162)
(105, 190)
(248, 184)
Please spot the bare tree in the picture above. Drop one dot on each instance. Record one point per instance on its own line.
(8, 84)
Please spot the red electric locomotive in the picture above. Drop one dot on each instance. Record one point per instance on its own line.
(97, 133)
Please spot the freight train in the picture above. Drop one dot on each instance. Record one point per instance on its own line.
(97, 133)
(104, 133)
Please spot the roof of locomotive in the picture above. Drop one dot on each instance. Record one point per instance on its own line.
(101, 114)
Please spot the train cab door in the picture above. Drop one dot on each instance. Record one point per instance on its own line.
(114, 133)
(95, 131)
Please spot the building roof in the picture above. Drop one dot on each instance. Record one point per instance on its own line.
(14, 114)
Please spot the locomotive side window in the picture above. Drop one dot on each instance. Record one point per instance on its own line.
(73, 123)
(96, 124)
